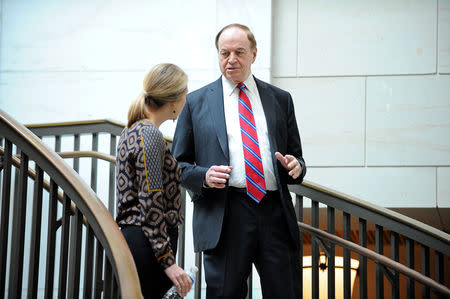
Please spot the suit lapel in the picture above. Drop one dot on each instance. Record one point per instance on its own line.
(269, 105)
(215, 102)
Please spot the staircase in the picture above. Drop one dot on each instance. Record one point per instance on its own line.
(396, 256)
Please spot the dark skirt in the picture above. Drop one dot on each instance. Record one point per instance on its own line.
(153, 279)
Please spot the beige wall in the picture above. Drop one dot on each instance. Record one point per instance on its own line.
(371, 87)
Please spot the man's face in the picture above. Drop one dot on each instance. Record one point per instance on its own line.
(235, 55)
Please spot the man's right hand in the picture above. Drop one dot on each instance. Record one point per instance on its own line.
(217, 176)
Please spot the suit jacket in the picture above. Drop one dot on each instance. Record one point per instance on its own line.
(200, 141)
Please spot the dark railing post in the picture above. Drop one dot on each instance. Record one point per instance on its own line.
(315, 251)
(198, 281)
(94, 165)
(18, 231)
(107, 283)
(379, 270)
(332, 257)
(362, 259)
(89, 262)
(4, 220)
(51, 239)
(299, 212)
(410, 263)
(64, 248)
(35, 245)
(112, 177)
(75, 255)
(346, 263)
(98, 278)
(395, 257)
(425, 270)
(76, 147)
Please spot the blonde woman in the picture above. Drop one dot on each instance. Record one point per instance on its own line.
(148, 183)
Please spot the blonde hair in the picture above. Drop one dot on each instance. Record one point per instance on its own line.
(164, 83)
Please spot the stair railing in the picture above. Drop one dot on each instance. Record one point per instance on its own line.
(360, 222)
(69, 217)
(367, 227)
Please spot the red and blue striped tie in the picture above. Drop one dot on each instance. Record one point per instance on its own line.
(254, 172)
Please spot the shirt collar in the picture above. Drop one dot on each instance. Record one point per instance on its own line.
(229, 87)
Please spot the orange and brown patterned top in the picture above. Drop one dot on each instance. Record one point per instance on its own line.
(148, 182)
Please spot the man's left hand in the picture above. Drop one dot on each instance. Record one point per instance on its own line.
(290, 163)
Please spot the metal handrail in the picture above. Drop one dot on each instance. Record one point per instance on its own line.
(396, 266)
(100, 220)
(397, 217)
(88, 154)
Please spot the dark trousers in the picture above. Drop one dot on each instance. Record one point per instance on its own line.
(154, 282)
(253, 233)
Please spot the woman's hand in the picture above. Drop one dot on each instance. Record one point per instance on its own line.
(179, 278)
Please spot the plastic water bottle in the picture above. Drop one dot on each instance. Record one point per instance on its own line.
(172, 292)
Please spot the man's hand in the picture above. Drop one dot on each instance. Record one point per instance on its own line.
(217, 176)
(290, 163)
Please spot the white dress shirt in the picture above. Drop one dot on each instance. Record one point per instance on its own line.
(231, 108)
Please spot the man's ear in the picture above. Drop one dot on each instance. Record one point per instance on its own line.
(254, 51)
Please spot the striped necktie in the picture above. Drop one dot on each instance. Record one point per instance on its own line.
(254, 172)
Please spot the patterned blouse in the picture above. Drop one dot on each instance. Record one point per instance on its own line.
(148, 187)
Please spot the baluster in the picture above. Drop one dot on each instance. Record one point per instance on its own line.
(379, 271)
(107, 285)
(362, 259)
(332, 257)
(57, 143)
(64, 249)
(98, 278)
(410, 263)
(75, 255)
(88, 262)
(395, 257)
(94, 165)
(51, 239)
(198, 281)
(346, 264)
(425, 270)
(4, 220)
(112, 176)
(76, 148)
(35, 244)
(299, 212)
(315, 251)
(439, 261)
(18, 231)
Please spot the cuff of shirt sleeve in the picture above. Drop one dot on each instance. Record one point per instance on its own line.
(166, 260)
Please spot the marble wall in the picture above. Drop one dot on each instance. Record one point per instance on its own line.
(372, 95)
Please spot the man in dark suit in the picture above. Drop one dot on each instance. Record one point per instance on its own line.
(242, 218)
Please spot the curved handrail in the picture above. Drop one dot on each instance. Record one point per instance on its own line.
(382, 211)
(428, 232)
(98, 125)
(376, 257)
(104, 226)
(88, 154)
